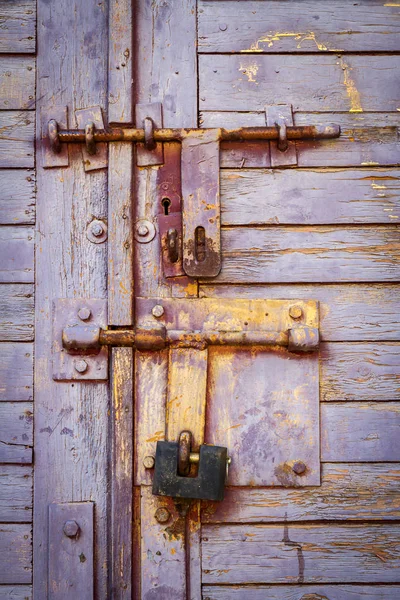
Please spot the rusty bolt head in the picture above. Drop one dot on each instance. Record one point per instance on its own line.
(162, 515)
(296, 312)
(157, 311)
(299, 467)
(81, 366)
(84, 313)
(97, 229)
(149, 462)
(71, 528)
(142, 230)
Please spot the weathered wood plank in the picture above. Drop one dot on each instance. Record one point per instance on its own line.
(312, 26)
(15, 554)
(310, 197)
(16, 139)
(16, 592)
(315, 592)
(354, 83)
(347, 492)
(355, 312)
(16, 432)
(16, 254)
(17, 197)
(16, 372)
(360, 432)
(310, 254)
(366, 139)
(16, 312)
(16, 489)
(17, 82)
(360, 371)
(18, 26)
(120, 62)
(235, 554)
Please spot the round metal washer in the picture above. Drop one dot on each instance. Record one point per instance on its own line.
(141, 226)
(96, 231)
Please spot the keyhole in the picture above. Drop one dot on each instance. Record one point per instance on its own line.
(200, 243)
(166, 202)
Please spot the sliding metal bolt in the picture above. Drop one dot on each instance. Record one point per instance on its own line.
(71, 528)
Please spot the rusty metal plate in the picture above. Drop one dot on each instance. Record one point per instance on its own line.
(277, 114)
(99, 160)
(50, 158)
(74, 365)
(145, 157)
(71, 574)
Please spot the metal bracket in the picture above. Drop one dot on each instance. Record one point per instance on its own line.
(149, 116)
(283, 152)
(95, 156)
(54, 153)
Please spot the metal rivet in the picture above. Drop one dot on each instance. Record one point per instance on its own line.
(142, 230)
(149, 462)
(96, 232)
(157, 311)
(296, 312)
(81, 366)
(71, 528)
(84, 313)
(223, 26)
(299, 467)
(162, 515)
(97, 229)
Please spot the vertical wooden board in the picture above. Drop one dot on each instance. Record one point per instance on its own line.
(17, 312)
(121, 473)
(16, 371)
(17, 83)
(360, 432)
(193, 556)
(305, 592)
(15, 553)
(16, 255)
(16, 592)
(71, 443)
(17, 139)
(360, 372)
(17, 193)
(120, 61)
(18, 26)
(16, 487)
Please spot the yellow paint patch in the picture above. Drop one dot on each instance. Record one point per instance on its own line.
(250, 71)
(369, 164)
(392, 4)
(299, 36)
(352, 91)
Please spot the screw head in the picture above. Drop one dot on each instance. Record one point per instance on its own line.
(142, 230)
(296, 312)
(162, 515)
(299, 467)
(84, 313)
(157, 311)
(149, 462)
(97, 229)
(71, 528)
(81, 366)
(223, 26)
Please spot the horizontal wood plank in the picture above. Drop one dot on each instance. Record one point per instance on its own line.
(355, 312)
(16, 371)
(16, 432)
(234, 554)
(310, 197)
(281, 592)
(16, 312)
(17, 193)
(17, 136)
(360, 371)
(347, 492)
(321, 83)
(16, 254)
(15, 553)
(18, 26)
(310, 254)
(366, 140)
(360, 432)
(311, 26)
(16, 483)
(17, 82)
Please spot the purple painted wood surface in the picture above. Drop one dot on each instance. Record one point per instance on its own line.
(16, 371)
(19, 26)
(16, 312)
(16, 254)
(305, 592)
(15, 553)
(16, 483)
(18, 197)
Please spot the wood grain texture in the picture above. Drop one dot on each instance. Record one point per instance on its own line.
(120, 61)
(16, 371)
(71, 443)
(17, 195)
(16, 592)
(16, 312)
(16, 254)
(17, 82)
(235, 554)
(326, 83)
(312, 26)
(360, 371)
(16, 483)
(312, 197)
(360, 432)
(315, 592)
(309, 254)
(16, 139)
(356, 312)
(348, 492)
(16, 432)
(366, 139)
(18, 26)
(15, 553)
